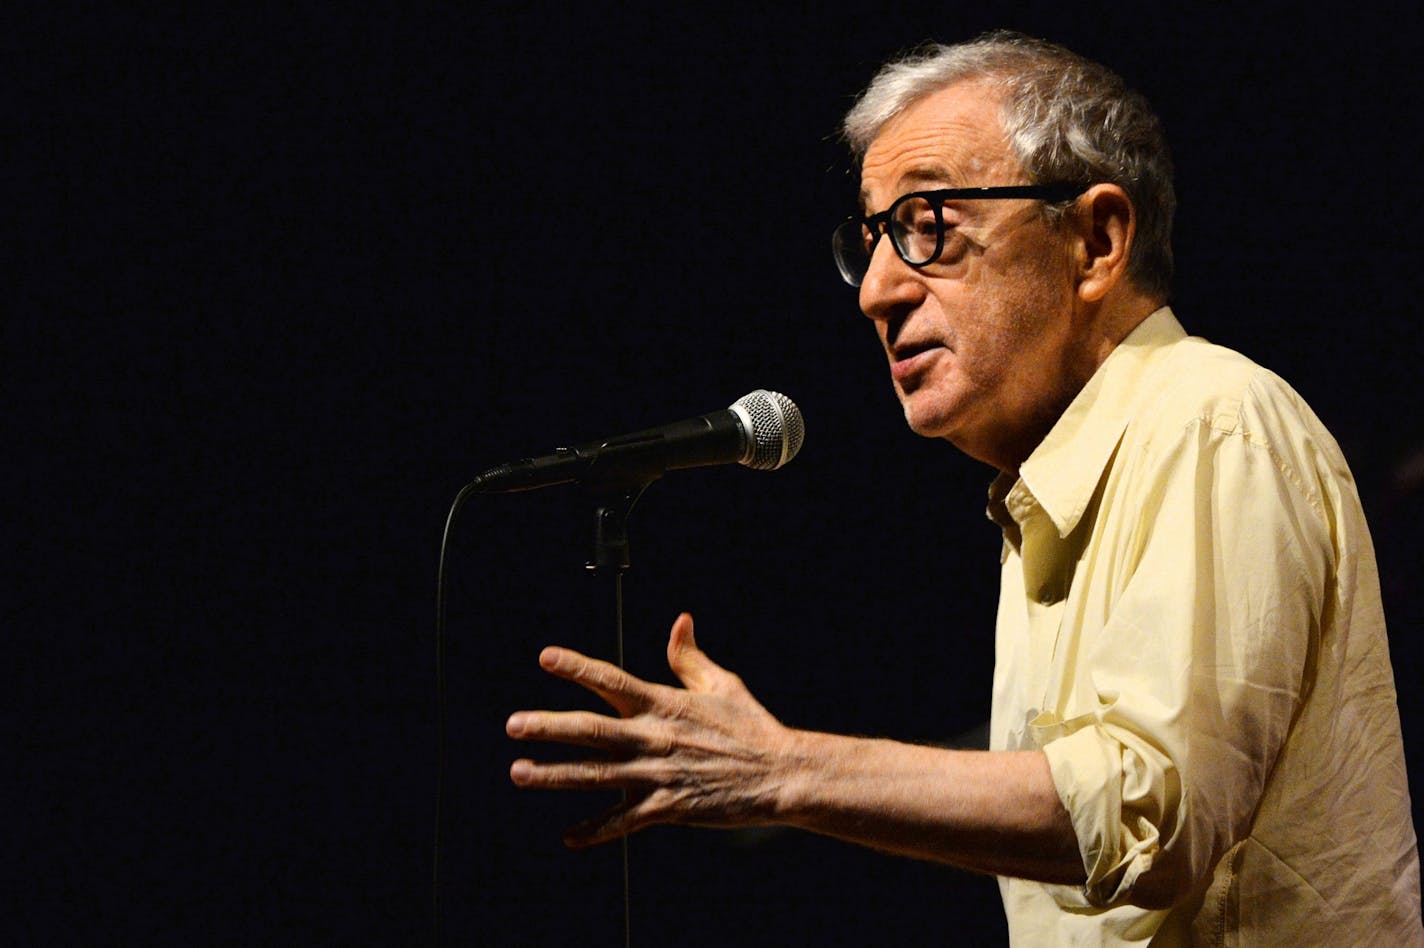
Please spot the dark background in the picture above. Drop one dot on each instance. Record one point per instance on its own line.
(283, 283)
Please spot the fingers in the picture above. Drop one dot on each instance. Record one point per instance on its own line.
(616, 822)
(681, 641)
(585, 729)
(689, 663)
(626, 693)
(575, 775)
(675, 752)
(640, 783)
(623, 819)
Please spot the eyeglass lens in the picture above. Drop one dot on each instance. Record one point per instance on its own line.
(851, 244)
(914, 228)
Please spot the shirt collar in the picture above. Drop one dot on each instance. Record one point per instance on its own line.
(1062, 473)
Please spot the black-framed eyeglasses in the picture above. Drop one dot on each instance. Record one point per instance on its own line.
(915, 223)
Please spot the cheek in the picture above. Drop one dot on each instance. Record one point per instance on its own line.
(1007, 339)
(995, 324)
(1005, 317)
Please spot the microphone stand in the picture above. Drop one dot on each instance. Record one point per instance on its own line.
(612, 505)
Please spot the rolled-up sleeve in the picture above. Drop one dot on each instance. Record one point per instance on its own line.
(1177, 674)
(1190, 630)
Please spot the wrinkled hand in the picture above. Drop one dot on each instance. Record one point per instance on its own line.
(706, 754)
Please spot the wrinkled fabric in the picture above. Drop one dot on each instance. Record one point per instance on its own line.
(1190, 629)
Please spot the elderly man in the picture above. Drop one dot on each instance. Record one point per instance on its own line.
(1194, 734)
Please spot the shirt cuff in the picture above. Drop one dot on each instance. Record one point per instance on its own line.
(1118, 842)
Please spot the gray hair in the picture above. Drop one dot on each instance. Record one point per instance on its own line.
(1067, 118)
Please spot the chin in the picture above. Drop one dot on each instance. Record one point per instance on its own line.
(926, 423)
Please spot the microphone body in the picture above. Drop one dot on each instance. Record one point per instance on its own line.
(762, 430)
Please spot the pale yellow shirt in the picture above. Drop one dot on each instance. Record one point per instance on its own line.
(1190, 628)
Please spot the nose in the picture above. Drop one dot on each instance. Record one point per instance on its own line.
(890, 285)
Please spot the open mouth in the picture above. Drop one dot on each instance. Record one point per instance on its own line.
(907, 359)
(908, 350)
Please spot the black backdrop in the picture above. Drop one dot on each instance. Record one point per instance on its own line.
(283, 283)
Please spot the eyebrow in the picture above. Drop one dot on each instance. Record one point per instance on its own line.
(935, 176)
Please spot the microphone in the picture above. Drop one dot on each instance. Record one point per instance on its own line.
(762, 430)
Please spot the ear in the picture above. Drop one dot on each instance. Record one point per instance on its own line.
(1106, 224)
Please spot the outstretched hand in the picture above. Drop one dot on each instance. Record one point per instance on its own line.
(707, 754)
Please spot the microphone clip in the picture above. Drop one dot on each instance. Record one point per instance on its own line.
(610, 527)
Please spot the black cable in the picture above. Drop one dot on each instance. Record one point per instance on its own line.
(440, 710)
(441, 763)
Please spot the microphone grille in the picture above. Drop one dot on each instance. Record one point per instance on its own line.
(777, 429)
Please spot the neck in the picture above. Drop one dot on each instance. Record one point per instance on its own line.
(1103, 327)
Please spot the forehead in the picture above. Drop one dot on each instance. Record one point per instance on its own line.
(953, 137)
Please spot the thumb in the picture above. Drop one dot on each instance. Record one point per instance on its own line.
(691, 665)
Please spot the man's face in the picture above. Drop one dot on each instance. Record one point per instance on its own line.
(983, 346)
